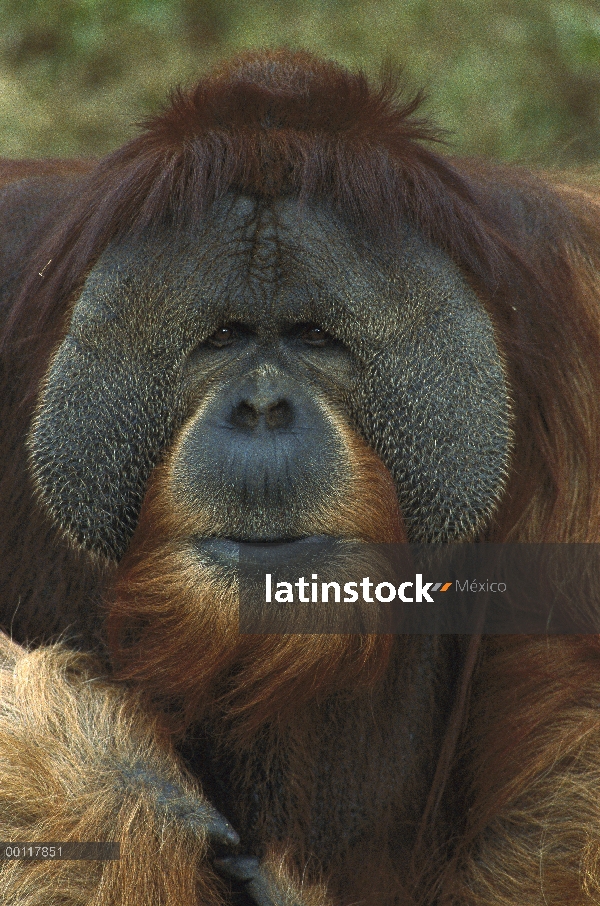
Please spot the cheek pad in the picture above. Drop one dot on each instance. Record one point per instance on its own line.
(435, 407)
(112, 396)
(101, 424)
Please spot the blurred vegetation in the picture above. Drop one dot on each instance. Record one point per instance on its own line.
(511, 79)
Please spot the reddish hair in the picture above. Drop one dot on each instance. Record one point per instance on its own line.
(274, 123)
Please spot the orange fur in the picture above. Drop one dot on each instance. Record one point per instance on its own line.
(68, 739)
(531, 763)
(503, 782)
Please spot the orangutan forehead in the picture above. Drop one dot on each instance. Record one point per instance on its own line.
(274, 263)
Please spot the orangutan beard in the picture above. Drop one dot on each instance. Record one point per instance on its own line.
(173, 620)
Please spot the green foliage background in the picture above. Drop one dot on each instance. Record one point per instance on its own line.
(512, 79)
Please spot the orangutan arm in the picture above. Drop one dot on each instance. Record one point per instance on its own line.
(81, 761)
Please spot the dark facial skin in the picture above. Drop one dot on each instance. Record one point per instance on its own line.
(260, 443)
(246, 342)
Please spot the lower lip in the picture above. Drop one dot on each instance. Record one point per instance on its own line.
(228, 552)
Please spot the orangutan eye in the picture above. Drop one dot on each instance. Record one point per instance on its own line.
(315, 336)
(223, 336)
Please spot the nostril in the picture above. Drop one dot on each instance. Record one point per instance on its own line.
(279, 414)
(248, 415)
(244, 415)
